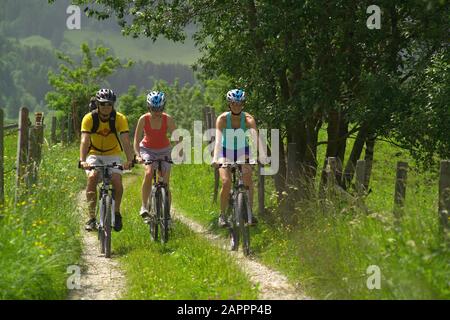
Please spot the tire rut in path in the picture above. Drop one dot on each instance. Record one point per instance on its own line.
(272, 284)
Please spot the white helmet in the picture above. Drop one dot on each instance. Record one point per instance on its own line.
(236, 95)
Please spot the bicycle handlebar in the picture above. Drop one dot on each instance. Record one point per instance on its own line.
(149, 162)
(237, 163)
(114, 165)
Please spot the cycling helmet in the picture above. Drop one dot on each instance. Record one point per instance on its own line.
(105, 95)
(156, 100)
(236, 95)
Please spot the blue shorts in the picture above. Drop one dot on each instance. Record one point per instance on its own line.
(233, 155)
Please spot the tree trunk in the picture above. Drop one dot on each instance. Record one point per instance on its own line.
(370, 144)
(354, 156)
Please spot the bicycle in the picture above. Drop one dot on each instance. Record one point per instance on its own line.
(160, 204)
(105, 206)
(241, 217)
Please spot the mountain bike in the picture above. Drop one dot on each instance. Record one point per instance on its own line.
(160, 204)
(105, 206)
(239, 210)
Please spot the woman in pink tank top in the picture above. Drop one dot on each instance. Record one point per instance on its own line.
(151, 143)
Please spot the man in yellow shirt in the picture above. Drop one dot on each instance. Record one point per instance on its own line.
(104, 132)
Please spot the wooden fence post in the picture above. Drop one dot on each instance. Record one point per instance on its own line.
(2, 164)
(261, 192)
(63, 129)
(53, 134)
(69, 128)
(35, 149)
(22, 152)
(292, 150)
(444, 197)
(331, 176)
(370, 145)
(360, 175)
(400, 189)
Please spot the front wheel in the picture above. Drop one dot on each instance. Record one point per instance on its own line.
(154, 214)
(243, 225)
(165, 215)
(107, 225)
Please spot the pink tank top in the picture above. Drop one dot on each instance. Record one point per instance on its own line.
(155, 139)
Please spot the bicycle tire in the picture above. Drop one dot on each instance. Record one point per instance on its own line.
(153, 223)
(101, 231)
(243, 225)
(107, 225)
(234, 228)
(164, 215)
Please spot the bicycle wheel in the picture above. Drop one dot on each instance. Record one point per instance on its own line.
(243, 225)
(153, 223)
(107, 225)
(101, 230)
(164, 215)
(234, 227)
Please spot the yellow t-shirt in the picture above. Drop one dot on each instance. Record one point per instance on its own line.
(104, 141)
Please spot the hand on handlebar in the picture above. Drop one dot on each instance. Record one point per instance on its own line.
(84, 165)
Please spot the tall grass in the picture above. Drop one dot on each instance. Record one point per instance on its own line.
(40, 238)
(332, 244)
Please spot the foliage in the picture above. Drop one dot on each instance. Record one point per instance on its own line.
(40, 238)
(76, 82)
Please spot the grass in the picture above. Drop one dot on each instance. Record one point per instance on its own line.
(330, 249)
(40, 238)
(188, 267)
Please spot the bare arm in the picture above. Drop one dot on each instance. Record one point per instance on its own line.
(138, 135)
(220, 125)
(125, 137)
(171, 127)
(84, 145)
(251, 124)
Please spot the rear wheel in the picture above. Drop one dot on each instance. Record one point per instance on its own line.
(243, 225)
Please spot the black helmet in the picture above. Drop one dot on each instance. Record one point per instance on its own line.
(105, 95)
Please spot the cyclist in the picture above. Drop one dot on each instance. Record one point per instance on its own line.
(231, 151)
(153, 126)
(100, 144)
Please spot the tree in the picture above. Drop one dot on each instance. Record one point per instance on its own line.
(304, 63)
(76, 82)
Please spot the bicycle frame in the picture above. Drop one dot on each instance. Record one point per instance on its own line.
(157, 217)
(105, 189)
(238, 186)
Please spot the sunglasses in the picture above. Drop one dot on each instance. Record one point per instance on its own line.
(103, 104)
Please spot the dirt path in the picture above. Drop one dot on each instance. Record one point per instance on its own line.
(101, 278)
(272, 284)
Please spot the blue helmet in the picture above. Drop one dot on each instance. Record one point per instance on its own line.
(156, 100)
(236, 95)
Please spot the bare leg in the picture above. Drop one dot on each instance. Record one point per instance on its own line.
(147, 186)
(91, 192)
(116, 182)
